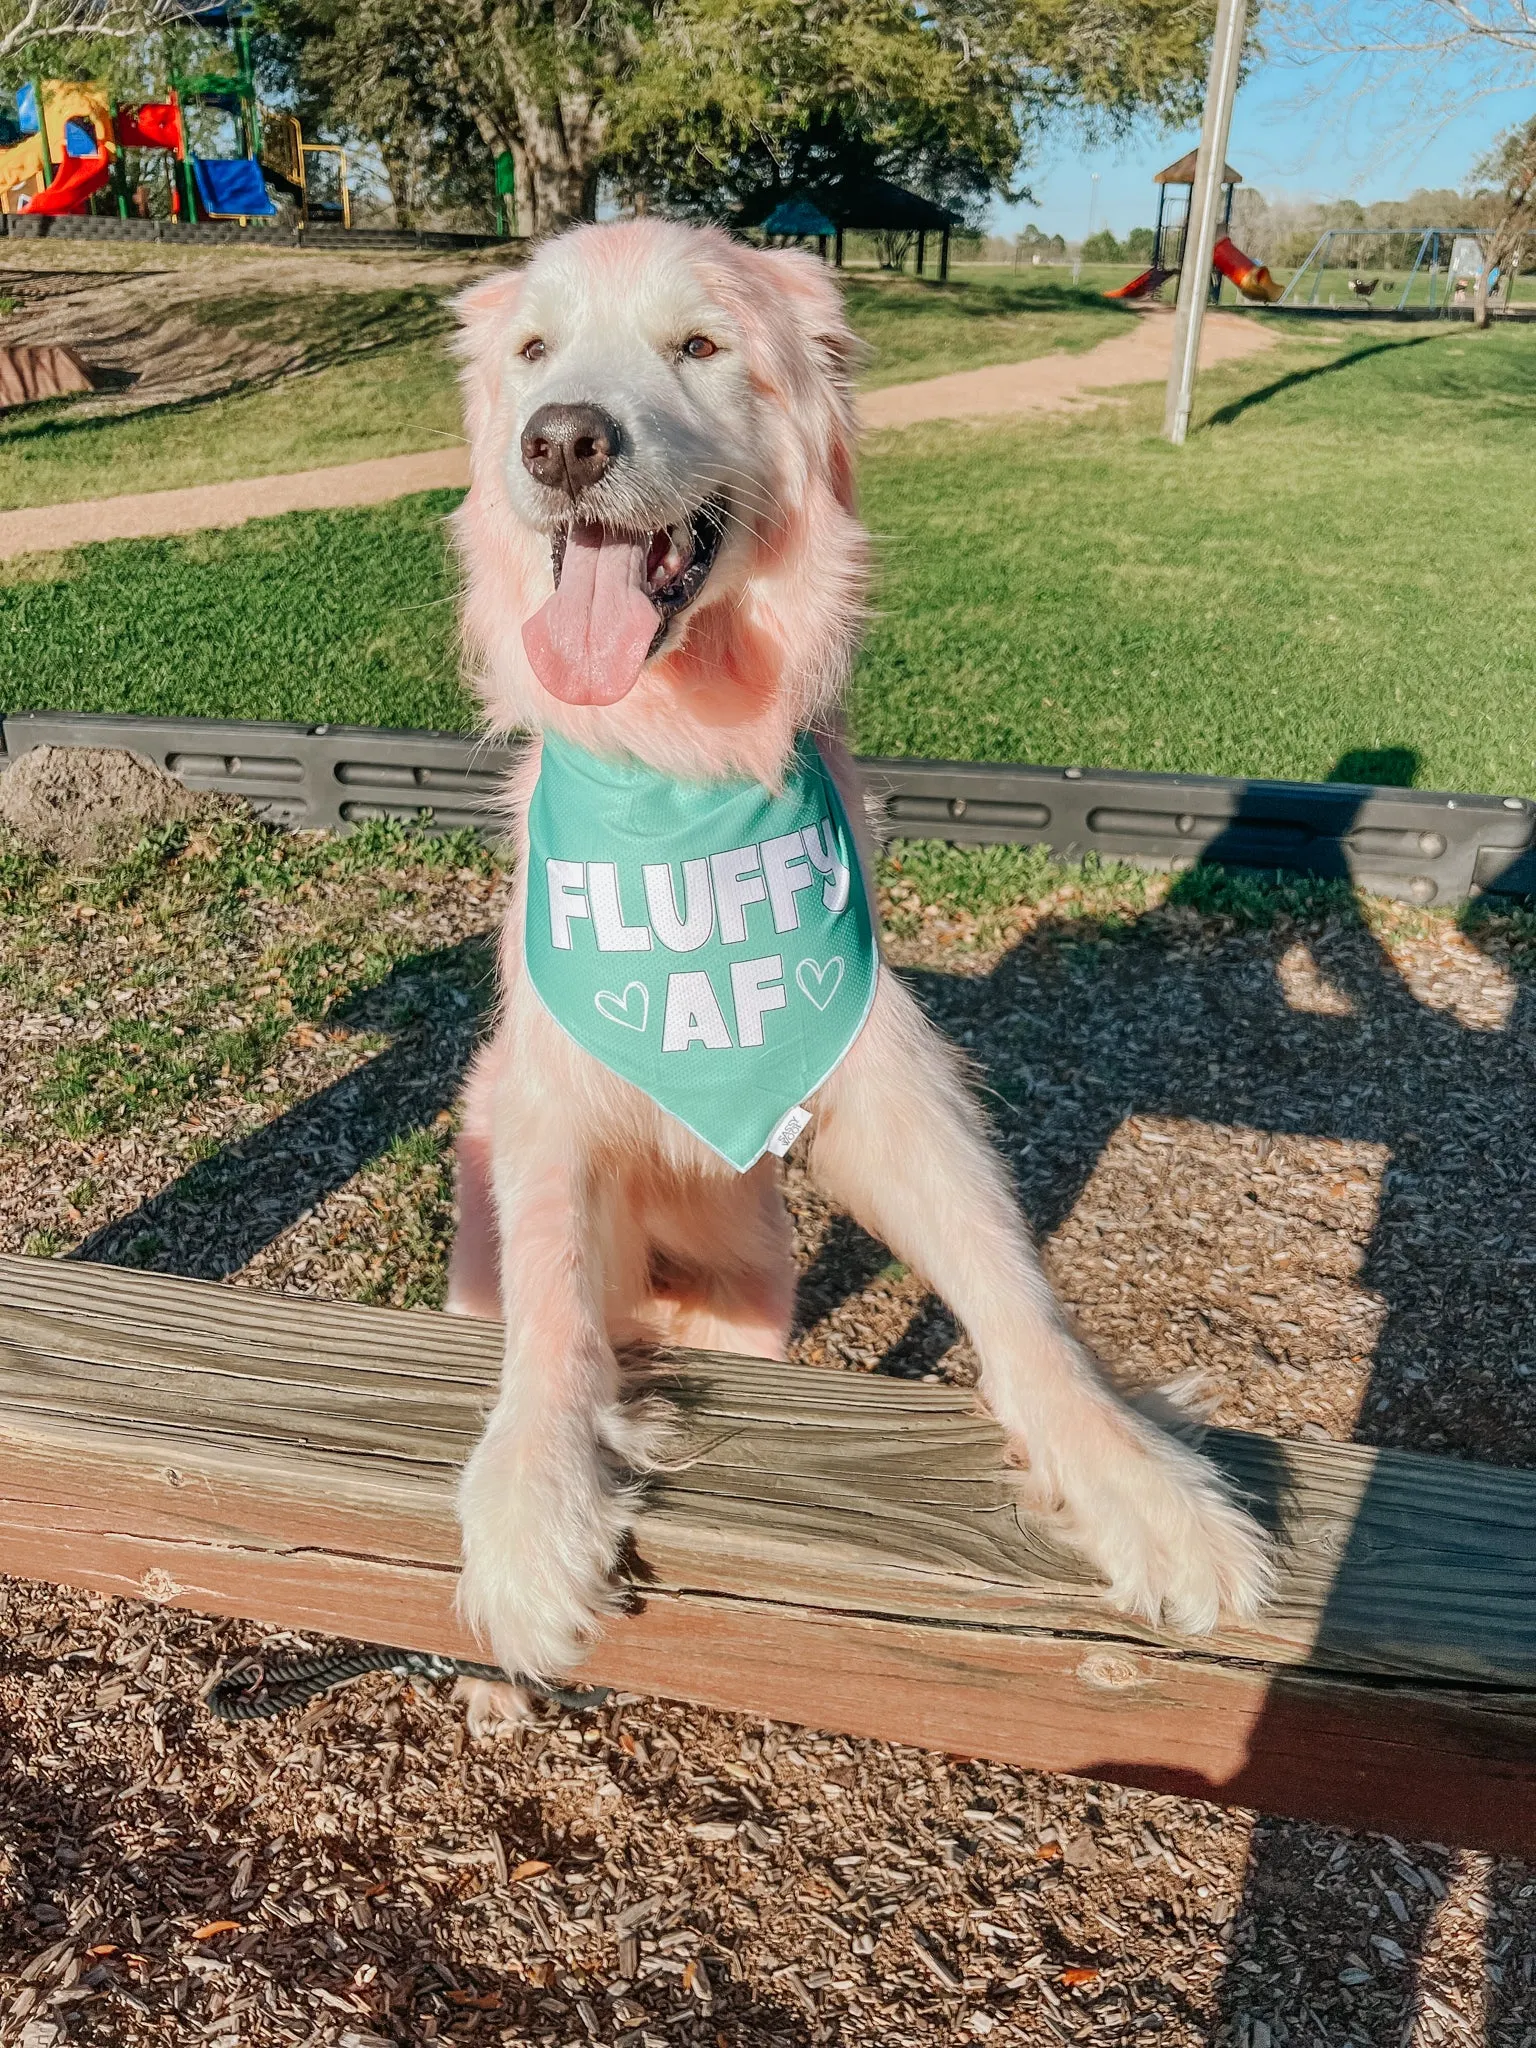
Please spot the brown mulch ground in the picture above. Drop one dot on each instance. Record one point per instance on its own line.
(1291, 1154)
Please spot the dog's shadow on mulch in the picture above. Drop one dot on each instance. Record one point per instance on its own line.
(1080, 1029)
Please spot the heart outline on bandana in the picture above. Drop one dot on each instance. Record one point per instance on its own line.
(619, 1013)
(816, 970)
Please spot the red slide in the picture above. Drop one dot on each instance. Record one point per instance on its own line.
(76, 179)
(1140, 287)
(1252, 279)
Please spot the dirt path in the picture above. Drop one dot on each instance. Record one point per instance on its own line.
(1053, 383)
(149, 514)
(1062, 383)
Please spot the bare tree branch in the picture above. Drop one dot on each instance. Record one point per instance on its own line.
(42, 21)
(1404, 42)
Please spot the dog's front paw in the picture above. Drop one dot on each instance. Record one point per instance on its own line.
(1160, 1523)
(493, 1707)
(544, 1517)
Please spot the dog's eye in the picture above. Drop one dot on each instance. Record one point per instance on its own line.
(700, 347)
(532, 351)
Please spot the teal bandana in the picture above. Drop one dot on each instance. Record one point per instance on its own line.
(708, 941)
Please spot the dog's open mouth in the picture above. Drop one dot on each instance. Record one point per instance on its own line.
(615, 596)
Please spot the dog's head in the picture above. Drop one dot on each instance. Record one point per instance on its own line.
(660, 541)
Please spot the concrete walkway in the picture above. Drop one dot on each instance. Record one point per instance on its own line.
(1043, 384)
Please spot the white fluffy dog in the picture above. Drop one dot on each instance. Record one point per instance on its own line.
(665, 581)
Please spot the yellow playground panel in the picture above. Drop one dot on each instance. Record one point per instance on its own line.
(22, 166)
(285, 153)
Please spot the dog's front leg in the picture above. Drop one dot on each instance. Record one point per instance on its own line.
(543, 1502)
(900, 1144)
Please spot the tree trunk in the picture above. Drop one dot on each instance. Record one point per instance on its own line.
(1480, 296)
(397, 175)
(562, 132)
(522, 197)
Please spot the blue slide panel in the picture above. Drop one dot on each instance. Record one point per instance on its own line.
(231, 185)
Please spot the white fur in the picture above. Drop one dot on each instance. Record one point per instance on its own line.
(591, 1220)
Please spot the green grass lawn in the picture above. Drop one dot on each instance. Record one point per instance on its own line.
(340, 616)
(381, 381)
(916, 328)
(1335, 566)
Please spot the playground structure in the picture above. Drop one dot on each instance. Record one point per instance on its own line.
(1252, 280)
(64, 155)
(224, 188)
(1437, 260)
(72, 144)
(285, 156)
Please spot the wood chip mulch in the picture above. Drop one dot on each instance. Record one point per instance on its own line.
(1288, 1153)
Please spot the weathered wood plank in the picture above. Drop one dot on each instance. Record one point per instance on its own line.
(831, 1549)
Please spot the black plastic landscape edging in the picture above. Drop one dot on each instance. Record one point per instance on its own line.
(1417, 845)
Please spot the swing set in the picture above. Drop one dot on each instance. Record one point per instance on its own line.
(1441, 257)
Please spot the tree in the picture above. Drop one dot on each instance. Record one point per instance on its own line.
(1514, 162)
(404, 76)
(733, 99)
(1103, 248)
(529, 78)
(1407, 44)
(700, 103)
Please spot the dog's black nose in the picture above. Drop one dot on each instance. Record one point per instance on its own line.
(569, 447)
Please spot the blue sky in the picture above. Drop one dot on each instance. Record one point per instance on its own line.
(1299, 132)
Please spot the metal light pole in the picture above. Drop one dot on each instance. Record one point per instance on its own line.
(1204, 206)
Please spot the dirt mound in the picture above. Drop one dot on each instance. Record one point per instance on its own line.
(28, 374)
(88, 804)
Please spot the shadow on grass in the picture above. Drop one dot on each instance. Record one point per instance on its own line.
(337, 329)
(1294, 379)
(223, 1211)
(1378, 767)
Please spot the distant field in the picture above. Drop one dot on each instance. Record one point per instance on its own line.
(1330, 573)
(1333, 575)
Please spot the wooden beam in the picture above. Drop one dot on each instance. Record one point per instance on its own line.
(832, 1549)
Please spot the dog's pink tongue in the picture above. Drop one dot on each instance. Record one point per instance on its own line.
(589, 642)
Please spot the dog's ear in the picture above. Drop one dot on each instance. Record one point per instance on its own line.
(810, 294)
(807, 293)
(484, 313)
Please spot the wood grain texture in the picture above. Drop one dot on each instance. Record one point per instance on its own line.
(827, 1549)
